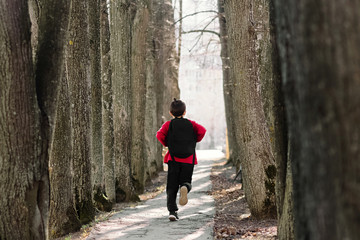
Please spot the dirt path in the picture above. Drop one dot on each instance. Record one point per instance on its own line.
(150, 219)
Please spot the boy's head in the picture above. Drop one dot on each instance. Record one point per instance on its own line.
(177, 108)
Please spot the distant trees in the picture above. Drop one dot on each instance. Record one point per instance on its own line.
(80, 107)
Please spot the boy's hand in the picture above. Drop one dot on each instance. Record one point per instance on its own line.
(164, 151)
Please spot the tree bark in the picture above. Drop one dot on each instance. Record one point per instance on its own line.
(62, 217)
(79, 86)
(107, 105)
(279, 141)
(247, 28)
(171, 69)
(318, 44)
(34, 18)
(228, 88)
(152, 152)
(159, 19)
(138, 90)
(52, 32)
(27, 113)
(120, 28)
(96, 107)
(20, 128)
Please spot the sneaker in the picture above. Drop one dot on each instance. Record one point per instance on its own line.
(183, 196)
(173, 216)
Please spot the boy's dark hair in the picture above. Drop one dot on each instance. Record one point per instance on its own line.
(177, 108)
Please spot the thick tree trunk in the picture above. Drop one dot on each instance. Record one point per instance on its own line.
(318, 43)
(280, 145)
(120, 27)
(107, 105)
(79, 86)
(247, 28)
(96, 108)
(63, 217)
(21, 166)
(52, 33)
(27, 131)
(138, 94)
(228, 88)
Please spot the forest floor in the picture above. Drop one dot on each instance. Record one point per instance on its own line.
(232, 219)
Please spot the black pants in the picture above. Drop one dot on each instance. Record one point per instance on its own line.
(179, 174)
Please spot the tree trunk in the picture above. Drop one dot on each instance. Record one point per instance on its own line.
(120, 27)
(96, 108)
(26, 132)
(228, 88)
(171, 69)
(151, 149)
(21, 166)
(52, 33)
(159, 19)
(318, 44)
(107, 105)
(62, 217)
(247, 28)
(79, 86)
(138, 92)
(280, 144)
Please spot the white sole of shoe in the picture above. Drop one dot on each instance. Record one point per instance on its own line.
(183, 196)
(172, 218)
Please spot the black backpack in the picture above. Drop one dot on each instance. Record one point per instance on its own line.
(181, 139)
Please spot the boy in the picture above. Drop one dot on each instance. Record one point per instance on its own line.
(180, 136)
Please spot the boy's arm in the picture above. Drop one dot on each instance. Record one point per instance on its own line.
(162, 133)
(199, 130)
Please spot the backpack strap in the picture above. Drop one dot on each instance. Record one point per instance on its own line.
(171, 155)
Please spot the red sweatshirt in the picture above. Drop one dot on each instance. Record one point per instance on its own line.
(163, 131)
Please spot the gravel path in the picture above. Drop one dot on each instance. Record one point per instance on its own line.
(150, 220)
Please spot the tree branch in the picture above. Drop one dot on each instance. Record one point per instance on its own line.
(192, 14)
(203, 31)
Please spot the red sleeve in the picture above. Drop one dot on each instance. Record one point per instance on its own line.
(199, 130)
(162, 133)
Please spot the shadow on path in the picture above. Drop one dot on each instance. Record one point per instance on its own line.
(150, 220)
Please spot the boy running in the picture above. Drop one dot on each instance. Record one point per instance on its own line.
(180, 135)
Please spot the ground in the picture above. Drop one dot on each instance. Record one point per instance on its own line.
(152, 189)
(232, 219)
